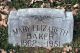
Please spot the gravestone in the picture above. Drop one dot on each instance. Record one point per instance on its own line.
(42, 27)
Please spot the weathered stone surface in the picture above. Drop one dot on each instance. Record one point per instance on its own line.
(40, 27)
